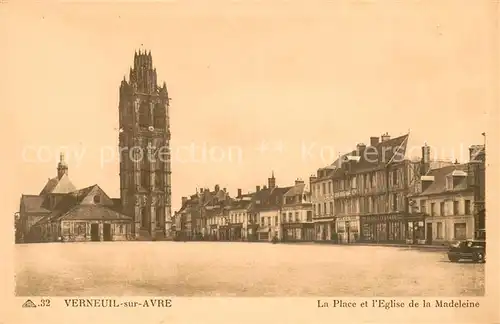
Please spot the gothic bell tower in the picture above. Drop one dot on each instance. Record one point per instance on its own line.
(144, 143)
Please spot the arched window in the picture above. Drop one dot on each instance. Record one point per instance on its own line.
(144, 115)
(159, 116)
(159, 214)
(144, 217)
(97, 199)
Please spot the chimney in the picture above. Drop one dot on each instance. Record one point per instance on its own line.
(265, 187)
(360, 147)
(373, 141)
(271, 181)
(257, 188)
(217, 188)
(239, 193)
(385, 137)
(299, 181)
(426, 159)
(184, 200)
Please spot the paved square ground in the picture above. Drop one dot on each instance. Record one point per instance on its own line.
(239, 269)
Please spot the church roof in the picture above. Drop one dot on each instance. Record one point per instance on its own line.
(80, 204)
(33, 204)
(93, 212)
(56, 185)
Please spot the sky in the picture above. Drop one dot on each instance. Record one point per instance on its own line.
(264, 86)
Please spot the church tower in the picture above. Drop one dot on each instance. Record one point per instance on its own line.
(144, 141)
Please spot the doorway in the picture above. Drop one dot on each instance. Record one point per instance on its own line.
(429, 234)
(106, 232)
(94, 232)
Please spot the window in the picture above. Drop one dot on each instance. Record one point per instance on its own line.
(276, 220)
(467, 207)
(80, 228)
(297, 218)
(269, 221)
(395, 181)
(440, 230)
(441, 209)
(331, 207)
(330, 187)
(144, 217)
(449, 182)
(319, 209)
(97, 199)
(144, 113)
(423, 208)
(159, 214)
(455, 208)
(433, 206)
(159, 116)
(263, 221)
(324, 208)
(460, 231)
(309, 216)
(284, 217)
(353, 183)
(394, 202)
(314, 209)
(324, 188)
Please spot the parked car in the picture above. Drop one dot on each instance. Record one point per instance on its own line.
(474, 250)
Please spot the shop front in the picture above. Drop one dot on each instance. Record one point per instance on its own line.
(383, 228)
(224, 233)
(348, 229)
(393, 228)
(264, 234)
(324, 229)
(293, 232)
(235, 232)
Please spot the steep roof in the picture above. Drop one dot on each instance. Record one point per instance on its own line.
(268, 199)
(439, 183)
(56, 185)
(372, 157)
(93, 212)
(298, 189)
(82, 197)
(33, 204)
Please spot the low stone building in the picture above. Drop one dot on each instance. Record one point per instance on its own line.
(84, 215)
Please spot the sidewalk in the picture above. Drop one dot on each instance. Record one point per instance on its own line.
(398, 245)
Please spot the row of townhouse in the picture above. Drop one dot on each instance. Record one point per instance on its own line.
(375, 194)
(270, 212)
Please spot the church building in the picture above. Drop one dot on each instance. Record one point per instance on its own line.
(61, 213)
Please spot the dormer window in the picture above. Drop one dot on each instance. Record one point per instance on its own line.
(97, 199)
(449, 182)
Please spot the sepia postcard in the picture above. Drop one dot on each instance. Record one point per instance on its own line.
(250, 161)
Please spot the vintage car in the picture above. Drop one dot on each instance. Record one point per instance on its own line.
(474, 250)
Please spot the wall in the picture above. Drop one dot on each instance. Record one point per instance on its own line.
(80, 231)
